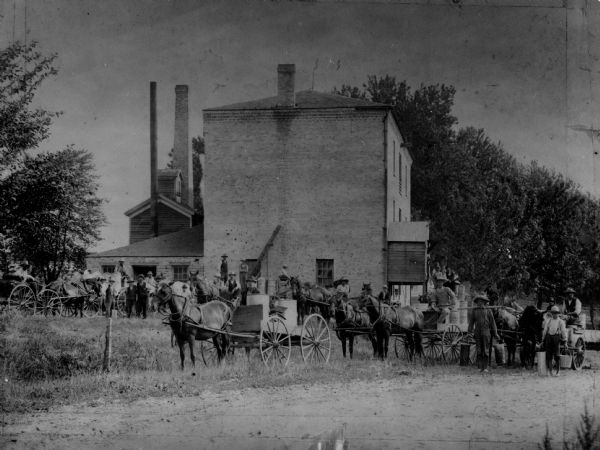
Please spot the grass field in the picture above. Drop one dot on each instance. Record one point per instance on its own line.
(51, 361)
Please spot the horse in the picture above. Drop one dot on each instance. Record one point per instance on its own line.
(77, 289)
(387, 319)
(530, 326)
(318, 294)
(349, 313)
(207, 291)
(185, 315)
(508, 326)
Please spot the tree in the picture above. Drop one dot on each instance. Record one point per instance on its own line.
(51, 209)
(22, 70)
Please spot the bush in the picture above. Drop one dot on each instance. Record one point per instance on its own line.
(587, 435)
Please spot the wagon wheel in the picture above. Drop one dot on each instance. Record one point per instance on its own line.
(275, 343)
(23, 298)
(52, 302)
(401, 347)
(315, 340)
(451, 340)
(578, 354)
(69, 308)
(432, 348)
(120, 304)
(92, 306)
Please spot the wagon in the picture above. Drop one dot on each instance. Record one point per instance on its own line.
(64, 299)
(441, 341)
(273, 332)
(575, 346)
(25, 296)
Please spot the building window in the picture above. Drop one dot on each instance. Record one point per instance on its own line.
(325, 272)
(400, 173)
(399, 214)
(394, 165)
(394, 211)
(406, 180)
(180, 273)
(108, 269)
(178, 190)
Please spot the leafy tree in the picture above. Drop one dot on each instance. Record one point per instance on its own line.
(22, 70)
(51, 209)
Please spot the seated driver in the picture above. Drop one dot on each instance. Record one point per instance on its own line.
(572, 308)
(442, 298)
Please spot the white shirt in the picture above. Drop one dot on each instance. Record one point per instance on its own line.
(554, 326)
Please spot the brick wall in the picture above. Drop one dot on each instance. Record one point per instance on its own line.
(163, 265)
(320, 174)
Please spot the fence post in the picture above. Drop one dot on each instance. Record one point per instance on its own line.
(107, 346)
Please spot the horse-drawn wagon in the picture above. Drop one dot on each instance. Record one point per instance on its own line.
(22, 295)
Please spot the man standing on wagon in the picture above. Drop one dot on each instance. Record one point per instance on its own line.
(442, 298)
(483, 327)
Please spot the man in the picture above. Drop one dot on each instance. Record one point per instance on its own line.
(384, 295)
(442, 299)
(109, 296)
(224, 269)
(251, 288)
(142, 297)
(554, 332)
(483, 327)
(120, 269)
(187, 293)
(243, 273)
(220, 285)
(232, 286)
(572, 308)
(343, 287)
(367, 290)
(130, 298)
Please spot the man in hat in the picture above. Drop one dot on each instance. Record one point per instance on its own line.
(120, 269)
(142, 297)
(224, 269)
(217, 281)
(109, 296)
(251, 288)
(367, 290)
(483, 327)
(442, 298)
(384, 295)
(554, 332)
(343, 287)
(187, 292)
(572, 308)
(131, 298)
(232, 286)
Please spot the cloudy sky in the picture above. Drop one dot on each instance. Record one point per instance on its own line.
(525, 70)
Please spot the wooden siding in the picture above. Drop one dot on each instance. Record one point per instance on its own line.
(169, 221)
(406, 262)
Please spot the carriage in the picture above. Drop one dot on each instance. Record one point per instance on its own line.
(68, 298)
(270, 325)
(20, 295)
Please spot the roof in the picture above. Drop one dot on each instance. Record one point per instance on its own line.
(305, 100)
(179, 207)
(189, 242)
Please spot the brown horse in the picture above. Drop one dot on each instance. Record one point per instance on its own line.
(352, 320)
(186, 316)
(391, 319)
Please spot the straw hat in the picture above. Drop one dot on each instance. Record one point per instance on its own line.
(481, 298)
(554, 309)
(569, 290)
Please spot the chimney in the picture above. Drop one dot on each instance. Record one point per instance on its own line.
(285, 85)
(153, 161)
(182, 156)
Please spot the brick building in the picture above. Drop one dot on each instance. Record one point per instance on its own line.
(161, 236)
(317, 181)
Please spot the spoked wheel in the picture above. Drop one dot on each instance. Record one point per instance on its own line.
(51, 301)
(23, 298)
(315, 340)
(120, 304)
(578, 354)
(432, 348)
(275, 343)
(92, 306)
(401, 348)
(451, 340)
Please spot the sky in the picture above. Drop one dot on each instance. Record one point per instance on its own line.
(526, 71)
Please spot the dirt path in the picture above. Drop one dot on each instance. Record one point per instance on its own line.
(460, 411)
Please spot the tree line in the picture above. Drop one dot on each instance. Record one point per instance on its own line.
(497, 222)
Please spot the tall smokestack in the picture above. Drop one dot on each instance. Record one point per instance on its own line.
(182, 156)
(153, 161)
(285, 85)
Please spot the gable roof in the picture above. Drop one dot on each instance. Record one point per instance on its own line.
(305, 100)
(143, 206)
(189, 242)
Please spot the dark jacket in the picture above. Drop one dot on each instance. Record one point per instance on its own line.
(482, 322)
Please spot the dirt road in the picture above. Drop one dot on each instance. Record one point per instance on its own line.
(497, 411)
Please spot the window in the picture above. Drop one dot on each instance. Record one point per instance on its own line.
(178, 190)
(400, 173)
(394, 165)
(399, 214)
(108, 269)
(394, 212)
(180, 273)
(406, 180)
(325, 272)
